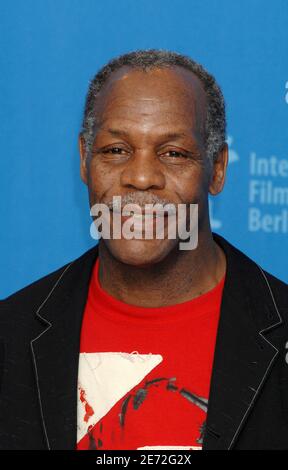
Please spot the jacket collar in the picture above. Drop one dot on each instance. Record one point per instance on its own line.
(242, 360)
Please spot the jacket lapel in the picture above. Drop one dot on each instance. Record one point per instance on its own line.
(55, 352)
(243, 355)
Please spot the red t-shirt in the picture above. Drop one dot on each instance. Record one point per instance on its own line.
(144, 373)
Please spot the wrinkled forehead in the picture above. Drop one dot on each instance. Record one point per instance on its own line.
(164, 91)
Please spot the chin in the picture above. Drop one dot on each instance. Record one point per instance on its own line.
(140, 253)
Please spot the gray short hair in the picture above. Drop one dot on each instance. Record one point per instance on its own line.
(215, 124)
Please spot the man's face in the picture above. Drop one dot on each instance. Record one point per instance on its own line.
(149, 142)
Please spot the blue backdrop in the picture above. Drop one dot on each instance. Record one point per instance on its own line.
(49, 51)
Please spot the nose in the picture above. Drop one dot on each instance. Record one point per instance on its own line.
(143, 171)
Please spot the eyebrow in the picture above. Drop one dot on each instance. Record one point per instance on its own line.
(167, 135)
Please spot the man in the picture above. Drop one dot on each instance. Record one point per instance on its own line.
(139, 344)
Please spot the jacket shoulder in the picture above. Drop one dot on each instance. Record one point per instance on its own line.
(33, 294)
(279, 289)
(251, 271)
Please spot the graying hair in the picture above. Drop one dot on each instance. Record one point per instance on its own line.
(215, 123)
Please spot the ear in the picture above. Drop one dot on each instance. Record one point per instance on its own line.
(83, 159)
(218, 174)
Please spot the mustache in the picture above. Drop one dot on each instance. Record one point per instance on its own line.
(140, 199)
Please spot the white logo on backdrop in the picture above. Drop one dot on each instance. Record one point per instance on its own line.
(268, 194)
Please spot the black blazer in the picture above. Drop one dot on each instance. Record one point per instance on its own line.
(40, 334)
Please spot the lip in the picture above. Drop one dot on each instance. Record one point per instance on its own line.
(143, 217)
(147, 214)
(143, 222)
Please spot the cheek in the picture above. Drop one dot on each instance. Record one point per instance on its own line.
(100, 180)
(190, 186)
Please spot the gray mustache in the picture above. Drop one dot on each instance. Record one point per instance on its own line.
(139, 199)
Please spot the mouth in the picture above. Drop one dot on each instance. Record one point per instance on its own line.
(146, 224)
(145, 213)
(147, 221)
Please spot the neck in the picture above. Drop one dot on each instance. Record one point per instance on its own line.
(181, 276)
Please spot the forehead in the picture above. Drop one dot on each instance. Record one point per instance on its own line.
(160, 94)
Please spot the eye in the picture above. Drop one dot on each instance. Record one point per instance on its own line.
(175, 154)
(114, 150)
